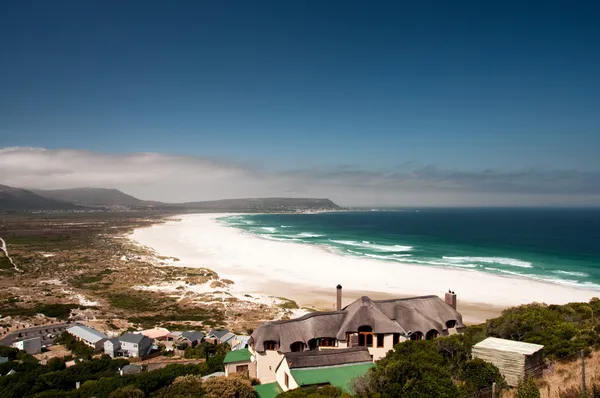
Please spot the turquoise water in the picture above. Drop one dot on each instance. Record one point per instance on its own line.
(554, 245)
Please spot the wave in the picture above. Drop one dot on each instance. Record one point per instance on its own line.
(286, 226)
(439, 263)
(572, 273)
(309, 235)
(270, 229)
(374, 247)
(280, 238)
(490, 260)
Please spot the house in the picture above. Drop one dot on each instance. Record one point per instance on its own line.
(317, 368)
(377, 325)
(240, 361)
(30, 346)
(88, 335)
(516, 360)
(157, 333)
(219, 336)
(177, 339)
(130, 369)
(239, 342)
(131, 345)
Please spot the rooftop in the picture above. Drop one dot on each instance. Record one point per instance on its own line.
(509, 345)
(270, 390)
(338, 376)
(134, 338)
(218, 333)
(311, 359)
(237, 356)
(87, 333)
(155, 333)
(193, 335)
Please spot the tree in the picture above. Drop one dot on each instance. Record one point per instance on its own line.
(55, 364)
(479, 375)
(235, 385)
(189, 386)
(315, 392)
(127, 392)
(527, 389)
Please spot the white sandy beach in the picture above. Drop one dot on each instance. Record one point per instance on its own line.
(309, 274)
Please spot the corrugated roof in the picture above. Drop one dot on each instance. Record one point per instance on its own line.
(337, 376)
(87, 333)
(237, 356)
(509, 345)
(270, 390)
(134, 338)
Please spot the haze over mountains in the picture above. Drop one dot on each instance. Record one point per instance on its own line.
(81, 199)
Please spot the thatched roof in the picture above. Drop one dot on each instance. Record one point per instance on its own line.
(417, 314)
(311, 359)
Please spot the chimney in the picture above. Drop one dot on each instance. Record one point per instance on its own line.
(450, 299)
(338, 303)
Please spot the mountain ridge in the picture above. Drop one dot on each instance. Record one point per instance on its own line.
(19, 199)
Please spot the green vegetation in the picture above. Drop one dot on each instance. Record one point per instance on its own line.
(527, 389)
(287, 304)
(315, 392)
(60, 311)
(82, 281)
(78, 348)
(563, 330)
(206, 350)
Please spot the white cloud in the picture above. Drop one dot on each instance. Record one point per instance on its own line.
(171, 178)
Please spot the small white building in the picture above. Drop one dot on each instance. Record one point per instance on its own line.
(30, 346)
(89, 336)
(516, 360)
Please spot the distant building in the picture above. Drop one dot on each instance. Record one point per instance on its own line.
(130, 345)
(191, 338)
(219, 336)
(88, 335)
(30, 346)
(239, 342)
(157, 333)
(130, 369)
(516, 360)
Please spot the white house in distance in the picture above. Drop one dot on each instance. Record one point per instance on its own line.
(130, 345)
(375, 325)
(30, 346)
(88, 335)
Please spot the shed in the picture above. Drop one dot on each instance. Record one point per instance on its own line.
(515, 359)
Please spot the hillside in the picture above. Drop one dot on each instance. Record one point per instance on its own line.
(17, 199)
(92, 197)
(263, 204)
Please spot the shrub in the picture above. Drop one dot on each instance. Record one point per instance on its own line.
(527, 389)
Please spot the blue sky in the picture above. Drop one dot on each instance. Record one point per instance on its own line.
(279, 86)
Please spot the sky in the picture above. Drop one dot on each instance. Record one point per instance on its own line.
(368, 103)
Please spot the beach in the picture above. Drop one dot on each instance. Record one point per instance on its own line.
(308, 274)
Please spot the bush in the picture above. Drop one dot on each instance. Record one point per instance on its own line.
(233, 386)
(189, 386)
(479, 375)
(527, 389)
(127, 392)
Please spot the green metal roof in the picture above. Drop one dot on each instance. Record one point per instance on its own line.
(337, 376)
(242, 355)
(270, 390)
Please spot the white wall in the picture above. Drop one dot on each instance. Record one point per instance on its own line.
(266, 364)
(280, 377)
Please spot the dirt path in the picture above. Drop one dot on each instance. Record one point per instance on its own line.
(3, 248)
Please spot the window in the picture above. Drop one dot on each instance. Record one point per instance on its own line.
(135, 346)
(396, 338)
(365, 336)
(286, 380)
(270, 346)
(380, 340)
(432, 334)
(327, 342)
(241, 369)
(451, 324)
(297, 346)
(416, 336)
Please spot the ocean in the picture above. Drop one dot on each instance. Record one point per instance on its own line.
(552, 245)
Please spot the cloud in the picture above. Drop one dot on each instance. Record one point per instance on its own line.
(175, 178)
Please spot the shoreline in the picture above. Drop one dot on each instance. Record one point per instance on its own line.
(309, 274)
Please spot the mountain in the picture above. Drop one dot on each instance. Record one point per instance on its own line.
(93, 197)
(262, 204)
(17, 199)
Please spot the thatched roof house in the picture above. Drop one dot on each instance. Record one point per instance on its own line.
(416, 318)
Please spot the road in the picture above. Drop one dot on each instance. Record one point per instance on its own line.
(42, 332)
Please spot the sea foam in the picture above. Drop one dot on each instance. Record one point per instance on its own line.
(374, 247)
(490, 260)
